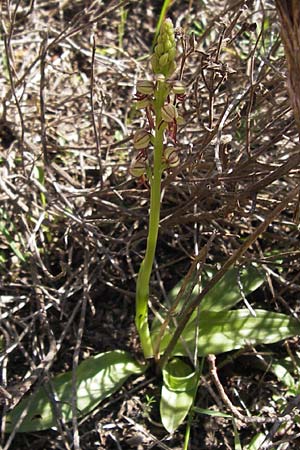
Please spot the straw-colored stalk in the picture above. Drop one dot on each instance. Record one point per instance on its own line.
(289, 16)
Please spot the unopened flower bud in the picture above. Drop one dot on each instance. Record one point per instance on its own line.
(160, 78)
(169, 113)
(141, 139)
(154, 63)
(172, 67)
(145, 87)
(163, 58)
(168, 44)
(172, 53)
(159, 49)
(137, 168)
(171, 157)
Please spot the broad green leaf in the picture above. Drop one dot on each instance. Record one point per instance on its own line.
(177, 394)
(287, 371)
(97, 378)
(228, 330)
(226, 293)
(281, 370)
(211, 412)
(256, 441)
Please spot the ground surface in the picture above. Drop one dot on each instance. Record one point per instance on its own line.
(73, 221)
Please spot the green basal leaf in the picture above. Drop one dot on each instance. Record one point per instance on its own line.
(281, 370)
(210, 412)
(256, 442)
(287, 372)
(179, 388)
(229, 330)
(237, 441)
(97, 378)
(226, 293)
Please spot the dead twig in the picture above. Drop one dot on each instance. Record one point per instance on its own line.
(285, 417)
(289, 16)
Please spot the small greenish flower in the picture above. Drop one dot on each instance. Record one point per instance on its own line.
(180, 120)
(169, 113)
(171, 157)
(138, 168)
(178, 88)
(141, 139)
(160, 78)
(145, 87)
(141, 104)
(163, 58)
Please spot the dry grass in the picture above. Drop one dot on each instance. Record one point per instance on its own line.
(73, 221)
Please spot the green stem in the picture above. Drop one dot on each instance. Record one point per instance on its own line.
(143, 280)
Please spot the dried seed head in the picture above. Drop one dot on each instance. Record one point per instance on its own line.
(171, 157)
(169, 113)
(141, 139)
(163, 58)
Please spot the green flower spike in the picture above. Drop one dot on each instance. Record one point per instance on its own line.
(163, 59)
(161, 115)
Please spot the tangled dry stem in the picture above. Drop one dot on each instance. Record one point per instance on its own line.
(74, 219)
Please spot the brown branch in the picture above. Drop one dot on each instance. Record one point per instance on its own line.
(285, 417)
(247, 193)
(96, 135)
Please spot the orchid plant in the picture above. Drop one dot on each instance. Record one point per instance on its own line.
(214, 328)
(160, 99)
